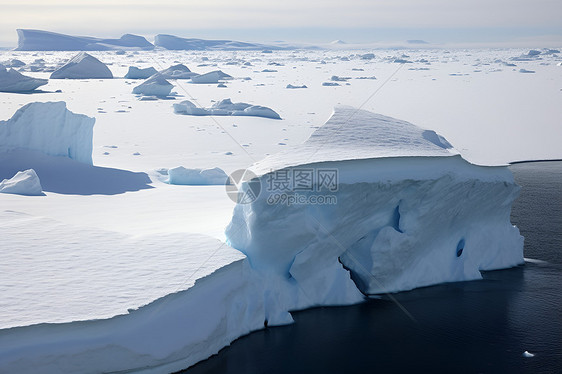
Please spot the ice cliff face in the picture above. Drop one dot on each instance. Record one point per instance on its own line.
(49, 128)
(405, 212)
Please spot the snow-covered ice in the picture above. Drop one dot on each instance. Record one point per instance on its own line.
(49, 128)
(23, 183)
(196, 177)
(13, 81)
(83, 66)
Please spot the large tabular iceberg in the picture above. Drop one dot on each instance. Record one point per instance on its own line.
(13, 81)
(49, 128)
(387, 207)
(38, 40)
(83, 66)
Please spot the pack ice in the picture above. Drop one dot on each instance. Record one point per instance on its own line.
(409, 212)
(49, 128)
(13, 81)
(83, 66)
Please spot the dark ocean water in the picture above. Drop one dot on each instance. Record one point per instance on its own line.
(467, 327)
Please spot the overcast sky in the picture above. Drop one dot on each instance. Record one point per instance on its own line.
(313, 21)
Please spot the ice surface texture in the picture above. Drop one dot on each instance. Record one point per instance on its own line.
(38, 40)
(12, 81)
(49, 128)
(83, 66)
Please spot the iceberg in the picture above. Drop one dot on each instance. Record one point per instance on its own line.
(49, 128)
(178, 71)
(409, 211)
(39, 40)
(136, 73)
(13, 81)
(83, 66)
(196, 177)
(156, 85)
(225, 107)
(23, 183)
(211, 77)
(406, 210)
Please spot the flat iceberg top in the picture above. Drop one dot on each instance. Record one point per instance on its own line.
(355, 134)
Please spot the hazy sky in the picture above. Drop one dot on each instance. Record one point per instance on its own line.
(293, 20)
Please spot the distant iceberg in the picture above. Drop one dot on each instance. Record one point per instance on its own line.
(38, 40)
(177, 43)
(136, 73)
(83, 66)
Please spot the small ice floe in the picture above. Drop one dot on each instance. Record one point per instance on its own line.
(294, 87)
(528, 354)
(526, 71)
